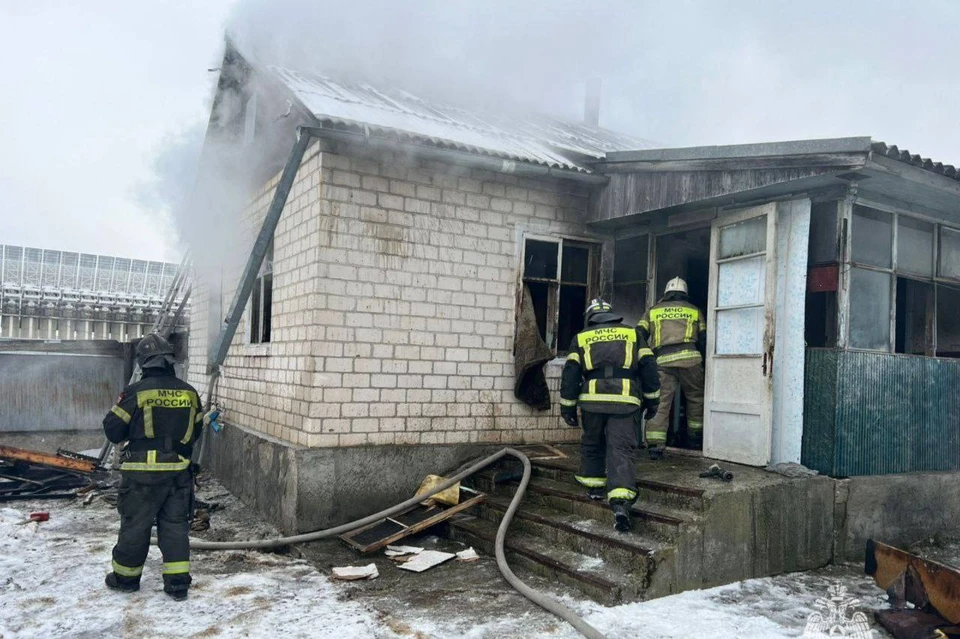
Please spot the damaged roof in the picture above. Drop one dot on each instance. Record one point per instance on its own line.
(528, 138)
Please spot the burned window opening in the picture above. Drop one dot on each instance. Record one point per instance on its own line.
(559, 275)
(261, 301)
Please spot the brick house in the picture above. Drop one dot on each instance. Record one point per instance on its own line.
(383, 321)
(378, 344)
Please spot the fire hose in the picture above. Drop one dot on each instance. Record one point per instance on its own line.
(535, 596)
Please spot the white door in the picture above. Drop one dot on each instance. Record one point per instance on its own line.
(740, 336)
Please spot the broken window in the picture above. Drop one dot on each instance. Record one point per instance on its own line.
(869, 309)
(630, 278)
(872, 237)
(823, 234)
(948, 322)
(559, 275)
(914, 320)
(261, 301)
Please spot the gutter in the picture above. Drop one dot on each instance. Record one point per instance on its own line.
(463, 158)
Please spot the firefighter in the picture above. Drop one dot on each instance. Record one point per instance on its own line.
(677, 333)
(160, 417)
(611, 375)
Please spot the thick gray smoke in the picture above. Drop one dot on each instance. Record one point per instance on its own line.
(683, 73)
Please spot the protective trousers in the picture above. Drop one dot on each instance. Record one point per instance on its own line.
(690, 380)
(607, 454)
(163, 498)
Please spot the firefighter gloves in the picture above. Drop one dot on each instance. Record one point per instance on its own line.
(569, 415)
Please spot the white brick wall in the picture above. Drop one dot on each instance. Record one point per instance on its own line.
(393, 317)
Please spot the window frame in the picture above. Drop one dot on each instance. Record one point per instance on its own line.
(935, 280)
(261, 304)
(594, 247)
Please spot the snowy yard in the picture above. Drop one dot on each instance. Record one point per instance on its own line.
(51, 585)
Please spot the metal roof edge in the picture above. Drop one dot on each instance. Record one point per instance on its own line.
(733, 151)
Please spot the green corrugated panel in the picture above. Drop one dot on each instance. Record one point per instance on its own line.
(819, 410)
(876, 413)
(895, 414)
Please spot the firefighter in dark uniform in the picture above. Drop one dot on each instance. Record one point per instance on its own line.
(611, 374)
(160, 417)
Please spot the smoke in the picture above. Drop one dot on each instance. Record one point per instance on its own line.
(684, 73)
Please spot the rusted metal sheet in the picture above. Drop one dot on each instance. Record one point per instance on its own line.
(910, 578)
(57, 391)
(45, 459)
(879, 413)
(823, 278)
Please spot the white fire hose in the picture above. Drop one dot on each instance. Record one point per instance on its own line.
(536, 597)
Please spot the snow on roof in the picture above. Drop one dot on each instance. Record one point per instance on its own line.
(529, 138)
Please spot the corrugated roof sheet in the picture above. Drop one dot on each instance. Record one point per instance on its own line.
(891, 151)
(529, 138)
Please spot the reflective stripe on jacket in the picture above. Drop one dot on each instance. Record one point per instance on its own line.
(674, 330)
(161, 417)
(609, 365)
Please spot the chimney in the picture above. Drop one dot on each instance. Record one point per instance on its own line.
(591, 106)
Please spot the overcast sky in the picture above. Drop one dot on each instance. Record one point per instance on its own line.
(103, 103)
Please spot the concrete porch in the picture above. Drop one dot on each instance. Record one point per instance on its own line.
(689, 532)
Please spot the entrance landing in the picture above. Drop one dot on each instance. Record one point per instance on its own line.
(689, 532)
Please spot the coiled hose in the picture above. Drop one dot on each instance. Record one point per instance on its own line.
(536, 597)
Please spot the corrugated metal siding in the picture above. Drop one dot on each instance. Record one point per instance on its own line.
(819, 409)
(56, 392)
(891, 413)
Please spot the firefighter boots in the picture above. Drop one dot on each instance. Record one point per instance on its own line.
(655, 452)
(596, 494)
(621, 514)
(123, 584)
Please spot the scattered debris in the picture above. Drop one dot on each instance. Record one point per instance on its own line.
(791, 469)
(36, 517)
(27, 474)
(930, 587)
(449, 496)
(408, 522)
(355, 573)
(468, 555)
(397, 551)
(426, 560)
(715, 472)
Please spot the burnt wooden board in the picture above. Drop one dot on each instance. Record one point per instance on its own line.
(407, 522)
(45, 459)
(939, 584)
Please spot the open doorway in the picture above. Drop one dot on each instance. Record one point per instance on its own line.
(683, 254)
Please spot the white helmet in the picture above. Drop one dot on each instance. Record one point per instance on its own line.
(677, 284)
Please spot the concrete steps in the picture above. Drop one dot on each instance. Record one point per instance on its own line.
(561, 534)
(597, 578)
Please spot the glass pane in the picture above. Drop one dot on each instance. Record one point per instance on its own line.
(540, 260)
(630, 300)
(741, 282)
(823, 233)
(743, 238)
(914, 325)
(949, 253)
(869, 309)
(948, 322)
(573, 301)
(872, 237)
(630, 259)
(576, 264)
(914, 246)
(739, 331)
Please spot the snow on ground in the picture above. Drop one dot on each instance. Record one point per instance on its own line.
(51, 585)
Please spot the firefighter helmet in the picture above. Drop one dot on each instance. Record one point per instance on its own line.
(676, 285)
(154, 352)
(600, 312)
